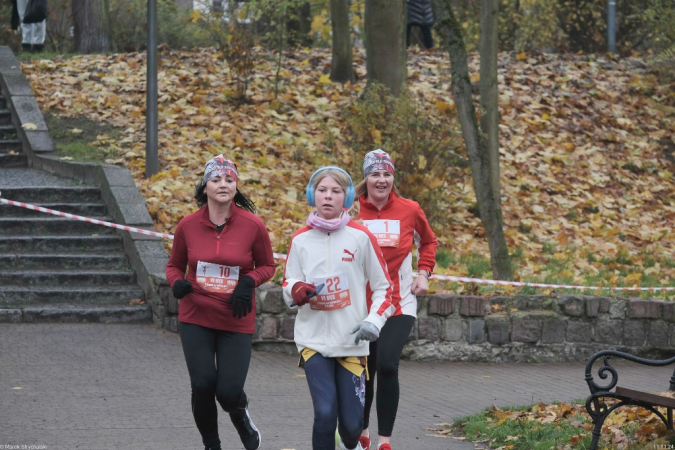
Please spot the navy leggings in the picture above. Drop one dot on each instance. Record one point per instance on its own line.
(337, 396)
(385, 354)
(218, 364)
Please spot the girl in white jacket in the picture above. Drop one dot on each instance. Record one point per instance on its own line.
(331, 264)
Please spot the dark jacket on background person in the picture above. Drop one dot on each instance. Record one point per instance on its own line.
(16, 20)
(420, 13)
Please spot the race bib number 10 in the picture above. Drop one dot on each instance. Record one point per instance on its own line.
(387, 232)
(217, 278)
(333, 295)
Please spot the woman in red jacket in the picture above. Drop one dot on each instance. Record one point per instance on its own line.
(227, 252)
(397, 223)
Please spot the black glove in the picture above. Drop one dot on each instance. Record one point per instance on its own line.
(241, 299)
(181, 288)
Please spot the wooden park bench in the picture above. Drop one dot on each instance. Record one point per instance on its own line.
(595, 403)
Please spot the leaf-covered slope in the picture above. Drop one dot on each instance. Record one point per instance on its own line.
(587, 148)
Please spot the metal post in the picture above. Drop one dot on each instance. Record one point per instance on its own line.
(151, 124)
(611, 26)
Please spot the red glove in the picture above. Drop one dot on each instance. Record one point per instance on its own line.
(302, 292)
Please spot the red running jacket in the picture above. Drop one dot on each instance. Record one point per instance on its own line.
(243, 243)
(401, 223)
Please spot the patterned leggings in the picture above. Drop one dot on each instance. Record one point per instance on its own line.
(338, 396)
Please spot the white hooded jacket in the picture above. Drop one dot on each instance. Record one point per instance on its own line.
(347, 257)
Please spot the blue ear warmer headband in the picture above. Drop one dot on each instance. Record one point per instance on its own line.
(349, 194)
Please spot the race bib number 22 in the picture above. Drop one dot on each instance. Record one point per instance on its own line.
(333, 295)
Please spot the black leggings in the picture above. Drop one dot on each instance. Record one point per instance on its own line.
(385, 354)
(218, 364)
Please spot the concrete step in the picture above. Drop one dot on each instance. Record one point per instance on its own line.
(75, 278)
(53, 295)
(83, 245)
(5, 115)
(51, 226)
(77, 314)
(13, 161)
(75, 194)
(10, 145)
(38, 262)
(80, 209)
(7, 131)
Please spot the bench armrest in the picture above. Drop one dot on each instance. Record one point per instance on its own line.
(608, 370)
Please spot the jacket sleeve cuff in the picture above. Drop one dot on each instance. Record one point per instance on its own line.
(376, 320)
(287, 290)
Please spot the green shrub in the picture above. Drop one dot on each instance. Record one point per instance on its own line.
(659, 17)
(128, 24)
(60, 27)
(538, 26)
(573, 25)
(8, 36)
(422, 145)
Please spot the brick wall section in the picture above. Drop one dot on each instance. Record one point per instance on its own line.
(472, 328)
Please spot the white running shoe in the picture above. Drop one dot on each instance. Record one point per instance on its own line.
(341, 446)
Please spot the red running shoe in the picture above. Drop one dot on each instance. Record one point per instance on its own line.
(365, 442)
(384, 447)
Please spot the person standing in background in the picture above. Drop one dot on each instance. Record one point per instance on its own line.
(420, 15)
(32, 34)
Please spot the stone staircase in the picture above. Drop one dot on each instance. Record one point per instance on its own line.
(10, 146)
(54, 269)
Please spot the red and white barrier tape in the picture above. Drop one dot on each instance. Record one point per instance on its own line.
(86, 219)
(555, 286)
(282, 256)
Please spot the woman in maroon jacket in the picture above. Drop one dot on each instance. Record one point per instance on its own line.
(227, 252)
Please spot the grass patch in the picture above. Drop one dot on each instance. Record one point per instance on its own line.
(75, 137)
(476, 265)
(527, 427)
(47, 54)
(558, 426)
(444, 258)
(558, 266)
(549, 247)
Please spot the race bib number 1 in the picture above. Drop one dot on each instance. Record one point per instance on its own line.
(217, 278)
(387, 232)
(333, 295)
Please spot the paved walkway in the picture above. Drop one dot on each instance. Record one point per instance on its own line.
(93, 386)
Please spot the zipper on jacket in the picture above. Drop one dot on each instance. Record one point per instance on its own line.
(330, 271)
(227, 226)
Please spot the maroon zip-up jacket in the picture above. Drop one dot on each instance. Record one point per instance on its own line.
(243, 243)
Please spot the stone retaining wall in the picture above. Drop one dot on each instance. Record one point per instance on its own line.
(535, 328)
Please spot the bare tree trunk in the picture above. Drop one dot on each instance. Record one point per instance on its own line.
(385, 23)
(489, 98)
(490, 212)
(341, 64)
(90, 33)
